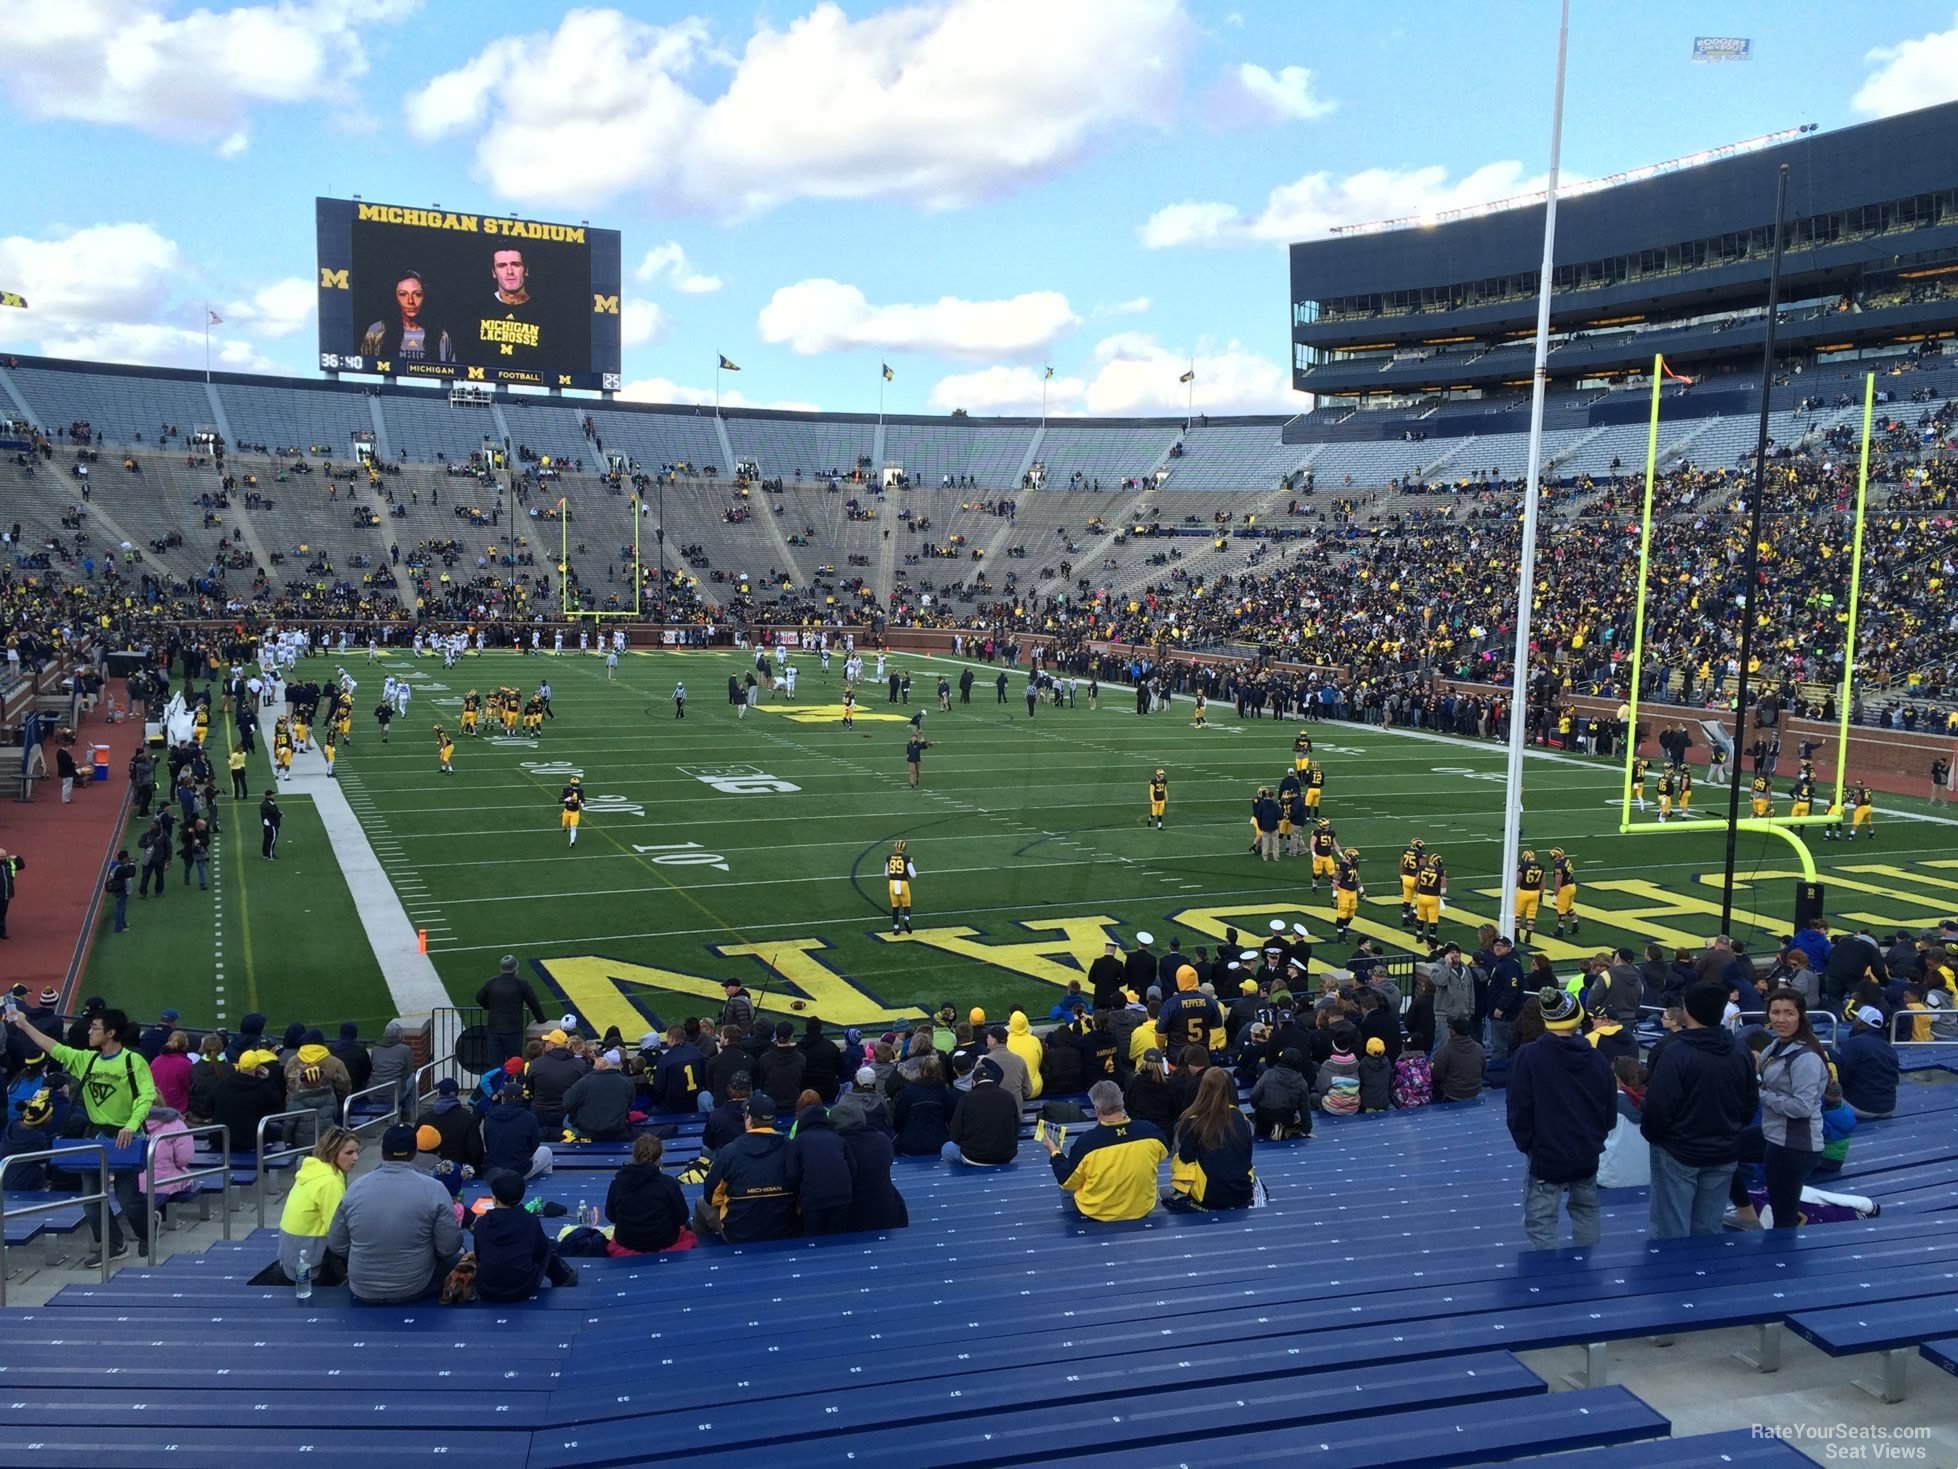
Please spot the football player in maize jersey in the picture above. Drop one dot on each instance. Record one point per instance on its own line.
(1640, 768)
(1563, 877)
(1410, 868)
(1347, 891)
(573, 800)
(1529, 893)
(1158, 797)
(1301, 753)
(1315, 787)
(1861, 809)
(1802, 796)
(1325, 853)
(1430, 891)
(472, 711)
(1665, 794)
(900, 873)
(1683, 785)
(1760, 797)
(445, 751)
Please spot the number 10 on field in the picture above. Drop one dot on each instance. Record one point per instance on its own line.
(680, 854)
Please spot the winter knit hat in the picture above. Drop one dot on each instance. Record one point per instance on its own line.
(1376, 1047)
(1562, 1011)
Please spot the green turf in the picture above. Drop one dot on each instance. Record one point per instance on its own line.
(285, 933)
(1029, 837)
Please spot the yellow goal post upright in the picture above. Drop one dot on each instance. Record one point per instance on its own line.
(572, 614)
(1782, 827)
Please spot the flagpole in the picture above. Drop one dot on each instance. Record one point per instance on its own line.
(1512, 825)
(717, 384)
(1043, 396)
(207, 343)
(1190, 397)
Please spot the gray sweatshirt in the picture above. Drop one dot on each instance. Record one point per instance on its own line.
(396, 1228)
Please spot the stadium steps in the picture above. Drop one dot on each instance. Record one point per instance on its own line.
(383, 444)
(1031, 457)
(21, 406)
(726, 463)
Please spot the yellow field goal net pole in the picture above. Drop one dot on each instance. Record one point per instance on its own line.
(1780, 826)
(1638, 602)
(564, 565)
(1855, 595)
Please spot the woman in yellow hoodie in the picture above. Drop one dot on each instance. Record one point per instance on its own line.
(1022, 1042)
(314, 1200)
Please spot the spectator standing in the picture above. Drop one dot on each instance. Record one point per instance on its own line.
(117, 1093)
(1505, 996)
(1700, 1097)
(396, 1229)
(504, 998)
(1793, 1072)
(1562, 1105)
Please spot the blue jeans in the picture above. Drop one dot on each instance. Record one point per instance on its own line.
(1499, 1037)
(122, 910)
(1540, 1210)
(1687, 1200)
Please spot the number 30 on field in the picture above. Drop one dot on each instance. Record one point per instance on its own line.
(681, 854)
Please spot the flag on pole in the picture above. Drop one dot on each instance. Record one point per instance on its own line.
(216, 320)
(888, 374)
(1677, 377)
(1188, 377)
(1050, 374)
(13, 298)
(727, 366)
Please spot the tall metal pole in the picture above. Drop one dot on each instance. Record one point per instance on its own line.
(1512, 823)
(1750, 612)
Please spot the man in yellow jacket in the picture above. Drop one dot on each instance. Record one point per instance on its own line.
(1112, 1168)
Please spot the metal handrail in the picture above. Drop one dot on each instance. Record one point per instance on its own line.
(101, 1197)
(222, 1169)
(1935, 1017)
(391, 1115)
(415, 1091)
(258, 1147)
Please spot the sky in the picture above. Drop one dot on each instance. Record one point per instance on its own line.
(970, 191)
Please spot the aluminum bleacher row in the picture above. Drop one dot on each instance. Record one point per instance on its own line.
(1370, 1313)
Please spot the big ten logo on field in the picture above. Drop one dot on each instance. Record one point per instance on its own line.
(552, 769)
(738, 780)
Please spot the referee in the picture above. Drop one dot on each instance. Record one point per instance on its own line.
(269, 817)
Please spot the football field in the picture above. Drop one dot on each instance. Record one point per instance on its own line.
(719, 847)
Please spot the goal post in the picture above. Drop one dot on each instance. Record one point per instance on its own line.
(573, 614)
(1626, 824)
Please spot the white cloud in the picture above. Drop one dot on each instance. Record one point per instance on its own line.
(1134, 307)
(823, 315)
(1288, 94)
(640, 322)
(278, 310)
(1133, 374)
(1916, 73)
(106, 272)
(122, 293)
(155, 345)
(669, 261)
(665, 390)
(1006, 390)
(937, 104)
(1315, 204)
(198, 77)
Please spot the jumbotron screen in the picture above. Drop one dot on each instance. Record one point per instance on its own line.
(407, 291)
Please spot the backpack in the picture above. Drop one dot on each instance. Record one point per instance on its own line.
(1413, 1081)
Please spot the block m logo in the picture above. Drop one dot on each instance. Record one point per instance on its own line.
(333, 280)
(605, 305)
(476, 375)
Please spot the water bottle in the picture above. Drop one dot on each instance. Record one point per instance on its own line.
(584, 1212)
(303, 1279)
